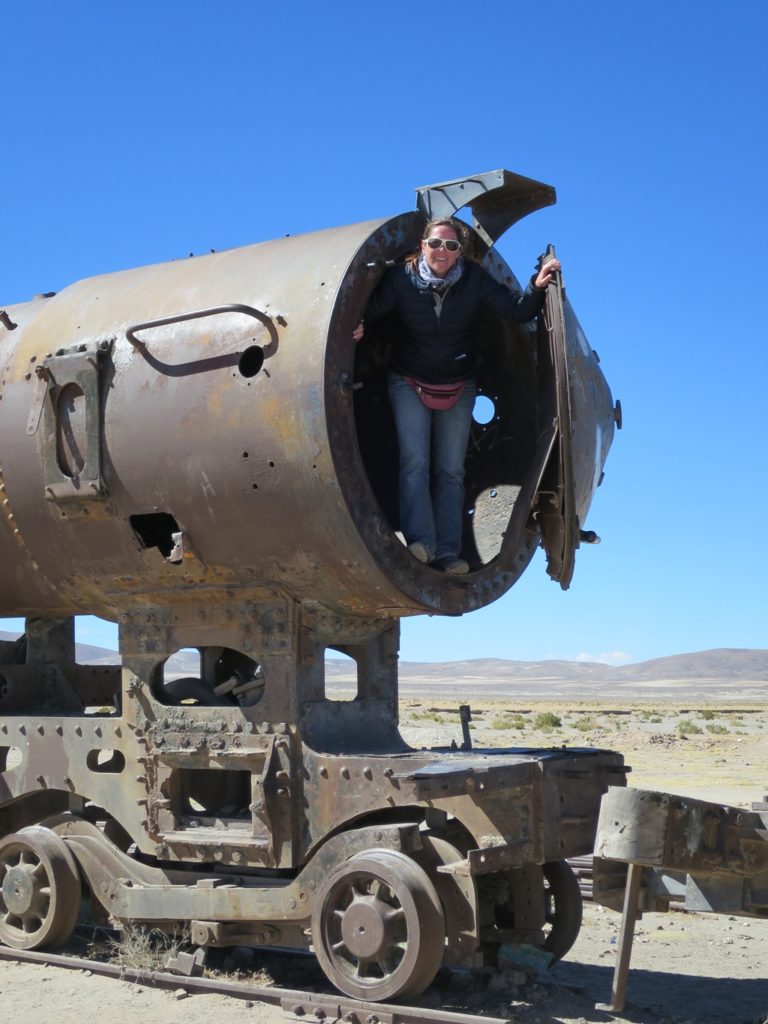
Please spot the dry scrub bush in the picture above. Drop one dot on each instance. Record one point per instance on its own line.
(688, 728)
(547, 720)
(146, 949)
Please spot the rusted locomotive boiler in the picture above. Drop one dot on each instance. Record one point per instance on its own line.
(199, 451)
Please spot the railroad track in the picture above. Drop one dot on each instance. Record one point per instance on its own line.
(297, 1004)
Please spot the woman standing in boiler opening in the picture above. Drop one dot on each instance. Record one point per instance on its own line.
(435, 296)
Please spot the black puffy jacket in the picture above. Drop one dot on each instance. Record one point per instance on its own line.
(438, 348)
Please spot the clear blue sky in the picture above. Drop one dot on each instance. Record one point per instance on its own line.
(133, 133)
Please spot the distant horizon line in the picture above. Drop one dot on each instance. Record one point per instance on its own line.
(341, 659)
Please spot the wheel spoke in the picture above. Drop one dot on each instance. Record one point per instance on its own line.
(395, 916)
(362, 968)
(358, 889)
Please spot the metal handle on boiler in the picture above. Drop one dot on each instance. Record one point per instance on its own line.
(232, 307)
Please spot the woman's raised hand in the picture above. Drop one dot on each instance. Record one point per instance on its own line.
(546, 273)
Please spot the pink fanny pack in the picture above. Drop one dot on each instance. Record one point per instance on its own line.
(437, 396)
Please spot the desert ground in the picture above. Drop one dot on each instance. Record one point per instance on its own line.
(686, 968)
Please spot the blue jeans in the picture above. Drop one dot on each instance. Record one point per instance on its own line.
(433, 447)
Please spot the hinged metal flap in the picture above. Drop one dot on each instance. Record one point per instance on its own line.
(557, 509)
(497, 200)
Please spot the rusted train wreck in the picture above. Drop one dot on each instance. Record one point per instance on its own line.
(198, 451)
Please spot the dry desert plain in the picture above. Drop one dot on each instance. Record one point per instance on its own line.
(688, 738)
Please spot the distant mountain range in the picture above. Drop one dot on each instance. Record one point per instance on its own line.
(718, 674)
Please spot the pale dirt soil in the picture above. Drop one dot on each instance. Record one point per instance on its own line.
(697, 968)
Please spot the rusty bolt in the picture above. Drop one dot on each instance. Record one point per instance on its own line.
(367, 773)
(323, 772)
(344, 773)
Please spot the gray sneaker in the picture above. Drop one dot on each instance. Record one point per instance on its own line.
(420, 552)
(451, 564)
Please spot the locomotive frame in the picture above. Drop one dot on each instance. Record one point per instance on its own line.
(202, 471)
(296, 819)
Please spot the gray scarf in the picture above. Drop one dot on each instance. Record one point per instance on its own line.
(423, 278)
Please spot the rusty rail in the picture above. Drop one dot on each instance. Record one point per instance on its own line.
(296, 1003)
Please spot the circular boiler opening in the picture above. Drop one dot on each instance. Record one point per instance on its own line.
(503, 428)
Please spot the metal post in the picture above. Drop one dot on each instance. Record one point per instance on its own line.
(630, 915)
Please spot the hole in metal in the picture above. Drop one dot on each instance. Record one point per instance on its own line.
(108, 762)
(71, 436)
(484, 409)
(251, 361)
(155, 530)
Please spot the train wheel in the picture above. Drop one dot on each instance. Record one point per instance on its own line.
(378, 927)
(563, 907)
(41, 891)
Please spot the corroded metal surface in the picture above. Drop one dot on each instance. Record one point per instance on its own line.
(199, 450)
(652, 848)
(201, 424)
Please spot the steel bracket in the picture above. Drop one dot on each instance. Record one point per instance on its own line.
(68, 392)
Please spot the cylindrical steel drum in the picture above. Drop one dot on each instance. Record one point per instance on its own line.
(197, 428)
